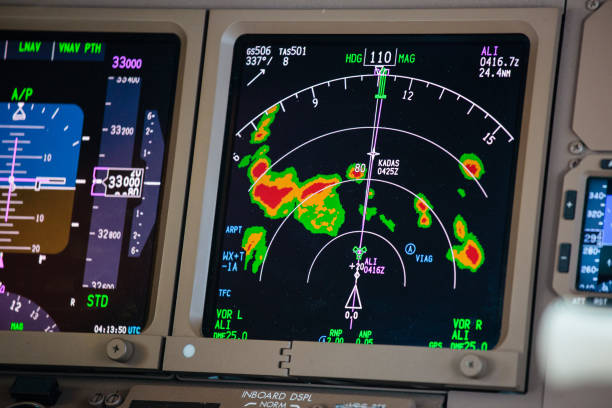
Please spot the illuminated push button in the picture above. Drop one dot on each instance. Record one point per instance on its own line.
(606, 164)
(119, 350)
(564, 257)
(472, 366)
(569, 206)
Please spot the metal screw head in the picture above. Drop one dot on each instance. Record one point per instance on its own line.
(472, 366)
(574, 163)
(113, 400)
(576, 147)
(119, 350)
(592, 5)
(96, 400)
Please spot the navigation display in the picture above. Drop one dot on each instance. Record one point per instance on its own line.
(366, 189)
(595, 262)
(84, 131)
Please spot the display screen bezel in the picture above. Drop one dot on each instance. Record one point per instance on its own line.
(317, 360)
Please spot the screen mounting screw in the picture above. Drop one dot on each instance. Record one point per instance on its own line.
(576, 147)
(574, 163)
(592, 5)
(119, 350)
(472, 366)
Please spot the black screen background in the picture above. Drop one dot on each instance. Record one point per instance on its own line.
(279, 307)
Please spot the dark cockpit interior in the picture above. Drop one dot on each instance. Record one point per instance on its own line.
(305, 204)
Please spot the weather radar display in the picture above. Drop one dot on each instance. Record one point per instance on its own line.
(366, 189)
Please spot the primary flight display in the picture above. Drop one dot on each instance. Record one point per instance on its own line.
(84, 131)
(366, 189)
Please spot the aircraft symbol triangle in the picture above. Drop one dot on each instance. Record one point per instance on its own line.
(354, 300)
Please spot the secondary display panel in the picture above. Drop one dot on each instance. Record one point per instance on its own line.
(583, 271)
(84, 127)
(595, 256)
(367, 187)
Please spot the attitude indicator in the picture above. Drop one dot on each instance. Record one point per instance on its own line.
(39, 155)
